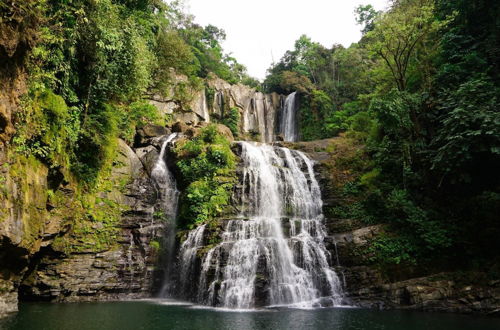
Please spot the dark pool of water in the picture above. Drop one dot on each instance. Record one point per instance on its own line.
(150, 315)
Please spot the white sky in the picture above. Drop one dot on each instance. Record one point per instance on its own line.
(258, 28)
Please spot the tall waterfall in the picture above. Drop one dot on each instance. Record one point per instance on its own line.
(166, 181)
(273, 252)
(169, 195)
(288, 123)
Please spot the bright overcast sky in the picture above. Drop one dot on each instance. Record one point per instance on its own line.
(258, 30)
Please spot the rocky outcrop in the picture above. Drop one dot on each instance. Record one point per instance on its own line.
(367, 285)
(437, 293)
(24, 222)
(183, 101)
(124, 270)
(258, 112)
(46, 256)
(23, 181)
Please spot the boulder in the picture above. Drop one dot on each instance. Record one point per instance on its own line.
(128, 163)
(153, 130)
(145, 134)
(226, 132)
(180, 127)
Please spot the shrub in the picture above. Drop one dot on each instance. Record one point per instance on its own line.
(232, 120)
(208, 168)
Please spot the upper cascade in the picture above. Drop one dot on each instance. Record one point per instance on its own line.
(288, 124)
(273, 253)
(261, 116)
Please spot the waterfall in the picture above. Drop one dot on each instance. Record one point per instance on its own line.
(288, 124)
(258, 262)
(169, 196)
(187, 256)
(166, 181)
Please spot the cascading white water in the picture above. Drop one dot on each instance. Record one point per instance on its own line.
(166, 181)
(257, 263)
(187, 256)
(169, 195)
(288, 123)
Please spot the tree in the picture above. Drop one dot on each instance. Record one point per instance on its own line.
(365, 16)
(398, 32)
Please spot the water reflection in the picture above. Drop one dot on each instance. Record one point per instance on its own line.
(149, 315)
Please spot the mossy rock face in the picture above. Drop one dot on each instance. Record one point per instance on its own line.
(23, 221)
(93, 244)
(23, 202)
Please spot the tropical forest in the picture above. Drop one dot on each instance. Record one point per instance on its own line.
(149, 180)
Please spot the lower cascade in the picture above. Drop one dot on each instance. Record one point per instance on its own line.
(272, 253)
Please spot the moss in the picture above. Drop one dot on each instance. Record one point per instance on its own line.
(210, 95)
(94, 226)
(155, 245)
(26, 193)
(95, 215)
(49, 128)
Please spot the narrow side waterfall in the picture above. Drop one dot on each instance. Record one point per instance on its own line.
(273, 252)
(166, 181)
(169, 195)
(187, 256)
(288, 123)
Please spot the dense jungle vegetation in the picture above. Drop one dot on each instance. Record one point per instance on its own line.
(421, 90)
(90, 65)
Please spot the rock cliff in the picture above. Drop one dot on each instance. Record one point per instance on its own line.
(48, 252)
(258, 113)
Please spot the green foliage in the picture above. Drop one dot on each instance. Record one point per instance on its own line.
(366, 15)
(135, 115)
(208, 170)
(398, 34)
(369, 179)
(96, 145)
(470, 136)
(155, 245)
(206, 53)
(293, 81)
(232, 119)
(313, 113)
(51, 129)
(331, 80)
(386, 249)
(99, 59)
(412, 235)
(416, 222)
(174, 52)
(362, 125)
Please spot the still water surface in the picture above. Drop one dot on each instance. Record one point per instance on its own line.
(152, 315)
